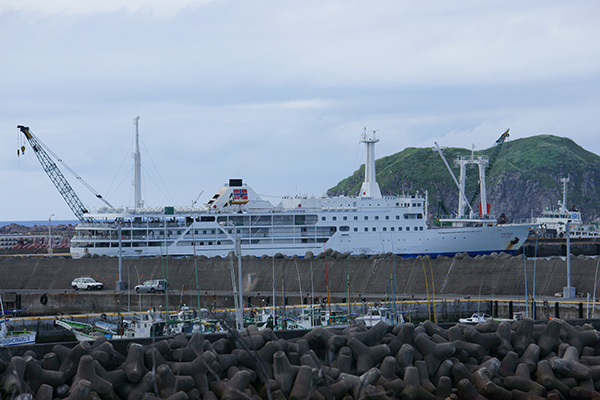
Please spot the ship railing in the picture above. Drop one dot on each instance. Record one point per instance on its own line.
(349, 208)
(523, 221)
(477, 218)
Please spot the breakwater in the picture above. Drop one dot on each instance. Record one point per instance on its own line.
(353, 278)
(520, 360)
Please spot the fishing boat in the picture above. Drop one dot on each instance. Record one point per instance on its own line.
(189, 321)
(377, 314)
(82, 331)
(13, 337)
(309, 317)
(369, 223)
(148, 324)
(476, 318)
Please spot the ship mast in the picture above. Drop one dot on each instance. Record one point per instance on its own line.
(137, 179)
(563, 206)
(370, 187)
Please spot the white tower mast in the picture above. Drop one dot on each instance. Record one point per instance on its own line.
(370, 187)
(137, 179)
(563, 206)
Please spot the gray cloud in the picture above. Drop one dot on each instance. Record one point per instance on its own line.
(278, 92)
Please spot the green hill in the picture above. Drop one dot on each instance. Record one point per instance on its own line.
(523, 180)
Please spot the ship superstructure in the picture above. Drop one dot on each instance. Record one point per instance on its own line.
(367, 224)
(554, 221)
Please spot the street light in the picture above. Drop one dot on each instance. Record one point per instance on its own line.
(237, 247)
(50, 233)
(568, 291)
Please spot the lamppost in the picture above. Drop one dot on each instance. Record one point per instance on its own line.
(50, 233)
(237, 247)
(120, 284)
(568, 291)
(238, 251)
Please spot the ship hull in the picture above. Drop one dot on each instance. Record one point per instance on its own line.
(433, 241)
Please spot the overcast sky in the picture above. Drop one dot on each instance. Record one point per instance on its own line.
(277, 92)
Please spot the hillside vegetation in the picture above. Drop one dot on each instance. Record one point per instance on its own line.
(523, 180)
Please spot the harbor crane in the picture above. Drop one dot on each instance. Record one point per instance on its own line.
(57, 177)
(484, 167)
(492, 160)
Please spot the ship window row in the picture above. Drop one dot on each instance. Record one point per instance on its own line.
(392, 229)
(376, 217)
(248, 235)
(345, 218)
(416, 204)
(266, 219)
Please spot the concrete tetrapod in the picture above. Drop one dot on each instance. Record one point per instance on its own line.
(134, 366)
(531, 357)
(169, 384)
(197, 369)
(570, 366)
(522, 336)
(487, 388)
(344, 360)
(37, 376)
(434, 353)
(580, 339)
(388, 368)
(545, 377)
(194, 348)
(412, 386)
(233, 388)
(303, 384)
(404, 359)
(550, 337)
(71, 357)
(504, 331)
(86, 371)
(44, 392)
(13, 379)
(80, 391)
(320, 368)
(367, 357)
(509, 364)
(50, 362)
(284, 372)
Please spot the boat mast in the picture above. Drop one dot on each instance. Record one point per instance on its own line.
(137, 180)
(370, 187)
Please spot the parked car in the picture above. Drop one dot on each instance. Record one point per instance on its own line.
(86, 283)
(152, 286)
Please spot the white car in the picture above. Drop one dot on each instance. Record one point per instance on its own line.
(86, 283)
(152, 286)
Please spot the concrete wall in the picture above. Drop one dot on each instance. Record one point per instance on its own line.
(488, 275)
(369, 277)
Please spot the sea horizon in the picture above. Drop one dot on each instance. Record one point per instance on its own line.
(40, 222)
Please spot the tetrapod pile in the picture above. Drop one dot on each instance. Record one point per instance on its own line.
(507, 360)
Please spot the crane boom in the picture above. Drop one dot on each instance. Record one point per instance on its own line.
(57, 177)
(460, 190)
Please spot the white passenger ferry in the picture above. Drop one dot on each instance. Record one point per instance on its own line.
(367, 224)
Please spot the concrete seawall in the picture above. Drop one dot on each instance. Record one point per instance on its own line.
(368, 277)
